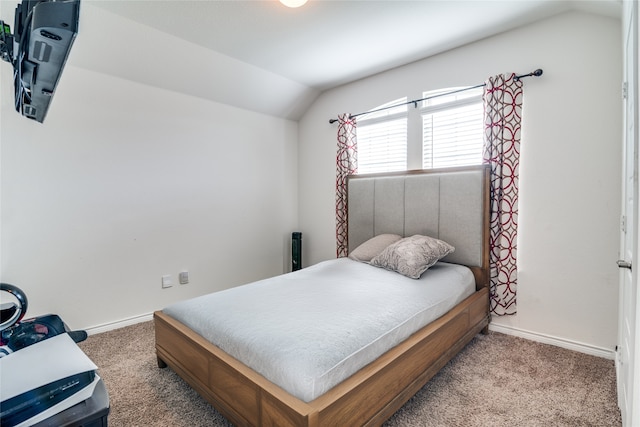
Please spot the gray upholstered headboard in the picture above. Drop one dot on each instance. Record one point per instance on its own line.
(451, 205)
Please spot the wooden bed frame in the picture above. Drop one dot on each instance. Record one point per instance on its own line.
(368, 398)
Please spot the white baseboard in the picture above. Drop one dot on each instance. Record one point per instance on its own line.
(558, 342)
(119, 324)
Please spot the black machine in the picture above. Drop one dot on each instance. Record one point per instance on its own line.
(16, 335)
(44, 31)
(296, 251)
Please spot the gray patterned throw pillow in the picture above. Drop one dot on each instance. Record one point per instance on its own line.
(413, 255)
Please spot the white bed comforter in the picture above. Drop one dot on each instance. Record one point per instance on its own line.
(309, 330)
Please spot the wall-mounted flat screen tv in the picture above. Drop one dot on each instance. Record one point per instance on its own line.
(44, 31)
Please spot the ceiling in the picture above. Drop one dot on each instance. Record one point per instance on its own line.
(326, 43)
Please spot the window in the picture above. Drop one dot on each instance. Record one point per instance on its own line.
(451, 133)
(382, 139)
(452, 127)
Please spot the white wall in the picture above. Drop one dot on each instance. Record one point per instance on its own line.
(570, 165)
(125, 182)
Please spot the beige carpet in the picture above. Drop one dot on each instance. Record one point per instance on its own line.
(497, 380)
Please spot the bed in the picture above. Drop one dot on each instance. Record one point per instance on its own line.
(451, 205)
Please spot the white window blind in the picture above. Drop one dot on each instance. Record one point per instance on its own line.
(382, 139)
(453, 136)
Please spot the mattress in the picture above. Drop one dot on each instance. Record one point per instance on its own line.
(309, 330)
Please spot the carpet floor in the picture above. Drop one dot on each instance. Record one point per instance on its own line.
(497, 380)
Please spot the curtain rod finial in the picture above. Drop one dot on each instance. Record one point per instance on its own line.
(536, 73)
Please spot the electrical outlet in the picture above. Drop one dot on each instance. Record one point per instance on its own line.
(183, 277)
(166, 281)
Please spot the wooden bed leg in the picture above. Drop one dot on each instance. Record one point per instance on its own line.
(485, 330)
(161, 363)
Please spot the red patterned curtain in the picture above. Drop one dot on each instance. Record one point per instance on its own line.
(346, 164)
(502, 112)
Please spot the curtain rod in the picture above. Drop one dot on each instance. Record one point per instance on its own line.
(536, 73)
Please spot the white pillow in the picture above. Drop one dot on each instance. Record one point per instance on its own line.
(413, 255)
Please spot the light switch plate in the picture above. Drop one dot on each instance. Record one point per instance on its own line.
(166, 281)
